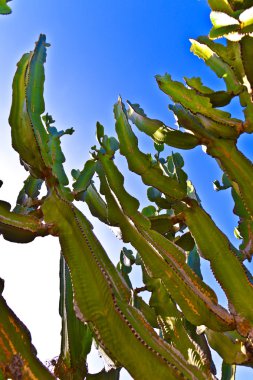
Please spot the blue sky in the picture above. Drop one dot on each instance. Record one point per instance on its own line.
(98, 50)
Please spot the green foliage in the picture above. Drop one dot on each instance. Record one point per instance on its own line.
(169, 237)
(4, 8)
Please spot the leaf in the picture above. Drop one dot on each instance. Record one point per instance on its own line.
(113, 144)
(4, 8)
(75, 173)
(125, 265)
(153, 194)
(32, 187)
(175, 163)
(159, 147)
(149, 211)
(185, 241)
(162, 224)
(193, 260)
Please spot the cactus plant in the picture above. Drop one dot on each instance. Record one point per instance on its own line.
(168, 238)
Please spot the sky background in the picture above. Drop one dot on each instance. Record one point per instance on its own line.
(99, 49)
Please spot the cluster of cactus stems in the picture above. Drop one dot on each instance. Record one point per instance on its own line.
(168, 237)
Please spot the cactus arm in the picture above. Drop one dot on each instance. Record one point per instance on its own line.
(35, 77)
(29, 139)
(228, 371)
(100, 210)
(217, 98)
(21, 130)
(237, 167)
(215, 247)
(199, 105)
(159, 132)
(190, 122)
(97, 205)
(17, 354)
(222, 69)
(245, 226)
(167, 264)
(58, 158)
(139, 162)
(20, 228)
(4, 8)
(221, 6)
(76, 336)
(246, 54)
(84, 178)
(244, 229)
(232, 350)
(103, 307)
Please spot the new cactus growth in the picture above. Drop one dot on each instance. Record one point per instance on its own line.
(168, 238)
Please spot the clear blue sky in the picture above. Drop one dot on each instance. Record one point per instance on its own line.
(99, 49)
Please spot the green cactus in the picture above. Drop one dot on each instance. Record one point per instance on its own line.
(169, 237)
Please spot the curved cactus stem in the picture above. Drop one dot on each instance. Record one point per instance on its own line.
(139, 162)
(221, 68)
(160, 132)
(230, 346)
(244, 229)
(76, 337)
(162, 259)
(84, 178)
(17, 354)
(200, 106)
(237, 167)
(216, 248)
(228, 371)
(99, 301)
(20, 228)
(97, 205)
